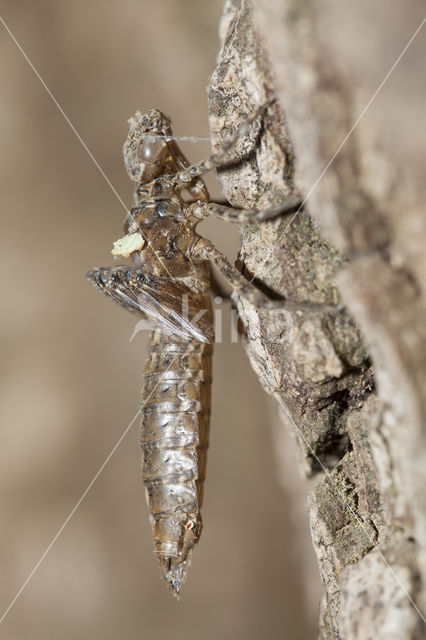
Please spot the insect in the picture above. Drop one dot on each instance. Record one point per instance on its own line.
(170, 285)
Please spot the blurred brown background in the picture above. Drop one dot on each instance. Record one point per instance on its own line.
(71, 379)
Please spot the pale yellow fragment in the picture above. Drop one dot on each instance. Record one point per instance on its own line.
(125, 246)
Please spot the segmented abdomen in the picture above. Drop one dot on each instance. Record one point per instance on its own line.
(174, 437)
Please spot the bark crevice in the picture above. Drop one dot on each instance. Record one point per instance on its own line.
(352, 385)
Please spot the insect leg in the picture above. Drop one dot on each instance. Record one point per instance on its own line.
(197, 189)
(216, 159)
(246, 216)
(206, 249)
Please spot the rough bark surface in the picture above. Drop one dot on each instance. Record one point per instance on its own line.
(361, 434)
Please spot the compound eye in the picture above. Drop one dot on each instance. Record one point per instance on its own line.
(149, 150)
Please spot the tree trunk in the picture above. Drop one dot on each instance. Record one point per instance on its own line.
(352, 385)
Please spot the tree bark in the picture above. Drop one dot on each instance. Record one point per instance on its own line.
(361, 433)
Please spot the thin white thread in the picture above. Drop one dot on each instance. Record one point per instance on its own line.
(67, 520)
(97, 165)
(84, 494)
(158, 138)
(363, 112)
(193, 139)
(346, 502)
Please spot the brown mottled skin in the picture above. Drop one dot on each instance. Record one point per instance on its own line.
(174, 266)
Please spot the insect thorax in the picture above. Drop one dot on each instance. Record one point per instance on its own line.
(169, 236)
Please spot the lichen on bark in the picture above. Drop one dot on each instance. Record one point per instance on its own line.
(365, 511)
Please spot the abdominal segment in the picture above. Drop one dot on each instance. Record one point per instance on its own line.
(174, 438)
